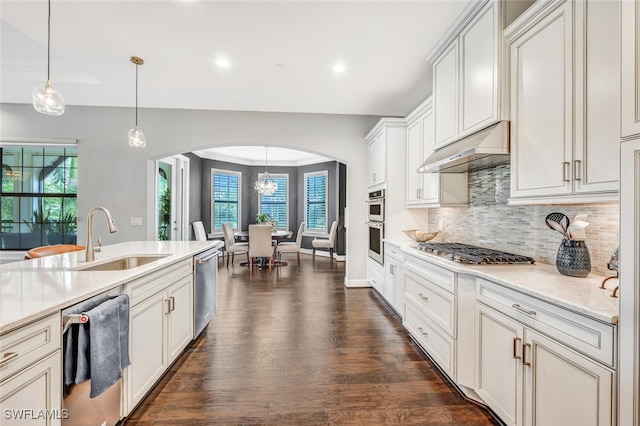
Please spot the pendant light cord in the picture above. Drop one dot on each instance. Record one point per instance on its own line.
(136, 96)
(49, 41)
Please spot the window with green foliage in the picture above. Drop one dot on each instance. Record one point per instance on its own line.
(225, 198)
(315, 201)
(277, 204)
(38, 196)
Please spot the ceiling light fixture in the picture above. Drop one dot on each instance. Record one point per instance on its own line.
(136, 136)
(46, 99)
(339, 68)
(265, 185)
(223, 63)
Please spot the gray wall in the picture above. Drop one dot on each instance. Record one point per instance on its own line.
(120, 178)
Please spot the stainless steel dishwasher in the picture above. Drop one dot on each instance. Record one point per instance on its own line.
(206, 289)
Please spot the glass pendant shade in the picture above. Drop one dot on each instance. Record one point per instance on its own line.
(47, 100)
(136, 138)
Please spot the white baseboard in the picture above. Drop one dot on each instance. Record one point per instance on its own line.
(356, 283)
(337, 257)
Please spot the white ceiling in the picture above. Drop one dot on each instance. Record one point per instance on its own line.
(382, 44)
(258, 156)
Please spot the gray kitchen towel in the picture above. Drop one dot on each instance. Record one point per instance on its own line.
(75, 344)
(109, 342)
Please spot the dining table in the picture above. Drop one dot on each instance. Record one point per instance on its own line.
(277, 236)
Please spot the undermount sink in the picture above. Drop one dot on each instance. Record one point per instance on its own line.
(122, 263)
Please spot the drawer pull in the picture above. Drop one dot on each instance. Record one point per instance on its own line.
(424, 333)
(172, 303)
(423, 297)
(516, 340)
(524, 354)
(8, 357)
(523, 310)
(167, 306)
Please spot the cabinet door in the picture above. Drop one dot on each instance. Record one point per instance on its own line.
(414, 160)
(498, 367)
(563, 387)
(430, 181)
(180, 318)
(381, 157)
(372, 151)
(541, 90)
(398, 288)
(479, 71)
(630, 68)
(146, 346)
(597, 148)
(38, 387)
(445, 95)
(389, 281)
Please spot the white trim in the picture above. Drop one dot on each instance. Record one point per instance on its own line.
(277, 175)
(319, 253)
(6, 141)
(226, 172)
(356, 283)
(324, 173)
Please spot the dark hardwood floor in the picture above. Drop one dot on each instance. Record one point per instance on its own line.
(293, 346)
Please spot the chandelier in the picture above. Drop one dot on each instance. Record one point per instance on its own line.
(135, 135)
(265, 185)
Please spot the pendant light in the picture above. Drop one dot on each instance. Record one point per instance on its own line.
(46, 99)
(265, 185)
(136, 136)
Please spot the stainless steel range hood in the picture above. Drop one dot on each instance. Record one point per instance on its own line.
(486, 148)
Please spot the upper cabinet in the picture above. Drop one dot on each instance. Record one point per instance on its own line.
(429, 189)
(467, 71)
(386, 135)
(565, 97)
(630, 68)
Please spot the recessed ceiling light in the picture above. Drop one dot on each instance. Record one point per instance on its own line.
(223, 63)
(279, 66)
(339, 68)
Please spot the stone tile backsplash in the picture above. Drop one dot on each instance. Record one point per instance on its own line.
(490, 222)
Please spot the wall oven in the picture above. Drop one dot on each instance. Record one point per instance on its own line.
(376, 225)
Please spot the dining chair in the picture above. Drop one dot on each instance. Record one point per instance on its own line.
(230, 245)
(291, 247)
(260, 244)
(326, 243)
(198, 231)
(43, 251)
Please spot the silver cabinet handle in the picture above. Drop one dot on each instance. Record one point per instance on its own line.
(167, 306)
(516, 340)
(566, 171)
(576, 169)
(419, 193)
(172, 303)
(424, 333)
(524, 354)
(391, 270)
(423, 297)
(521, 309)
(8, 357)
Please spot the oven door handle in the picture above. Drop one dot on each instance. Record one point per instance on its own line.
(375, 224)
(374, 200)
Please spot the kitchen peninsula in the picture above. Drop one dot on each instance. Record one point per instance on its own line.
(34, 292)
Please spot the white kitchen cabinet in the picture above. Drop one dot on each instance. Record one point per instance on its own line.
(376, 276)
(630, 62)
(565, 95)
(394, 277)
(386, 135)
(467, 74)
(161, 326)
(429, 189)
(38, 387)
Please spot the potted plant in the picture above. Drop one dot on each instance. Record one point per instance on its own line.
(266, 219)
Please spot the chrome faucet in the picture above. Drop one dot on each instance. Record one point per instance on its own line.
(90, 251)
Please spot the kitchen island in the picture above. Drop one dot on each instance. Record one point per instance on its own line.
(34, 292)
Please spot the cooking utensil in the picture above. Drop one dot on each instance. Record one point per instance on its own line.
(556, 226)
(559, 218)
(576, 230)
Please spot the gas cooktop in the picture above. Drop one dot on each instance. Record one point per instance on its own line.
(474, 255)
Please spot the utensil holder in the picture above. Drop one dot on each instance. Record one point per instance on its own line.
(573, 258)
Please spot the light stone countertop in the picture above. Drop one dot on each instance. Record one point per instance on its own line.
(31, 289)
(581, 295)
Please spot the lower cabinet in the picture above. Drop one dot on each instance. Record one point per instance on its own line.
(161, 326)
(528, 378)
(375, 275)
(394, 277)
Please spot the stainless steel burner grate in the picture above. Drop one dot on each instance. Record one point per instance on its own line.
(465, 253)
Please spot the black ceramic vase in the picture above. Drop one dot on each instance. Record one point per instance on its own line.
(573, 258)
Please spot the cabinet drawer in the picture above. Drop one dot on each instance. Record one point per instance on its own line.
(375, 275)
(440, 347)
(29, 344)
(393, 252)
(439, 276)
(591, 337)
(434, 302)
(145, 287)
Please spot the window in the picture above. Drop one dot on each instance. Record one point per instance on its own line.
(225, 199)
(276, 205)
(38, 196)
(315, 201)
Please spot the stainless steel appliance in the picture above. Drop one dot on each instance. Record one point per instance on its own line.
(376, 225)
(206, 289)
(469, 254)
(376, 206)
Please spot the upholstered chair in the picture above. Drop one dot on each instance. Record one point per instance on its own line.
(326, 243)
(291, 247)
